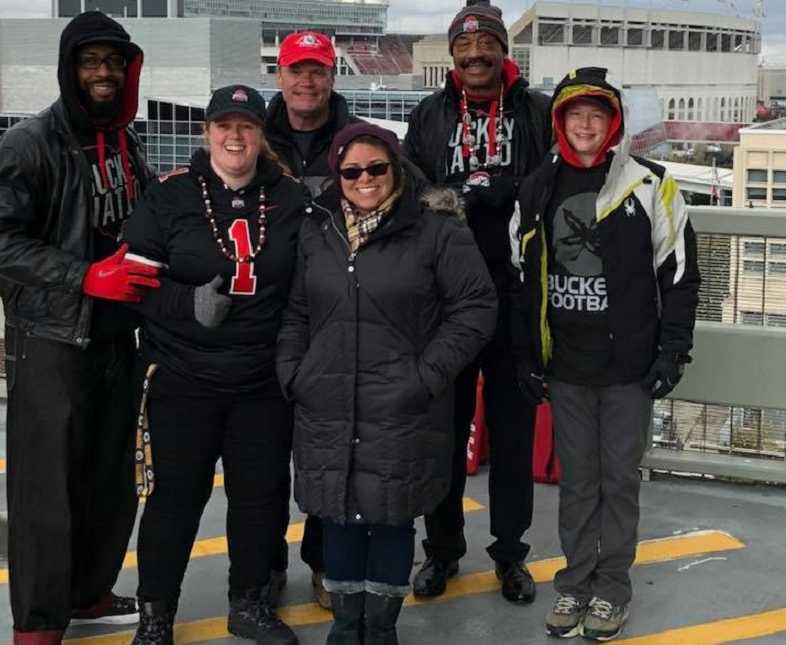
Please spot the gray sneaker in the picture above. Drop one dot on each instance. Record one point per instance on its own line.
(603, 620)
(564, 619)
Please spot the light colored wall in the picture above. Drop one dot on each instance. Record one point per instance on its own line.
(183, 58)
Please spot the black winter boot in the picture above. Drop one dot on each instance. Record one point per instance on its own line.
(347, 626)
(381, 615)
(252, 617)
(155, 624)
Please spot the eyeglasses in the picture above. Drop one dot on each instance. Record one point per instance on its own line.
(374, 170)
(114, 62)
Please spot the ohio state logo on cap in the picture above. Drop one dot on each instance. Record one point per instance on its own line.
(308, 40)
(240, 96)
(471, 24)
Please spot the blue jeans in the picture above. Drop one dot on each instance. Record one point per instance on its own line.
(368, 557)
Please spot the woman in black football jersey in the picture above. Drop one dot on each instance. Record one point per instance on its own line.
(224, 232)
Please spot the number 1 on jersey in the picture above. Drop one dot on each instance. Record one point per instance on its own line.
(244, 282)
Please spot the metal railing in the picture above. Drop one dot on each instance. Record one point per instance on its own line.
(728, 415)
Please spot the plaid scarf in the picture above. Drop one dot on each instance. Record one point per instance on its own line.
(361, 225)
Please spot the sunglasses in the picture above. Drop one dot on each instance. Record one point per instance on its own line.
(374, 170)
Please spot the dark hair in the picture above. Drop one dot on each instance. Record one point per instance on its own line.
(395, 159)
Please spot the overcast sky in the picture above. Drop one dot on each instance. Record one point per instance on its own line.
(433, 16)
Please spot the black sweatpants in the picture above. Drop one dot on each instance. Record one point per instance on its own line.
(190, 429)
(510, 421)
(71, 497)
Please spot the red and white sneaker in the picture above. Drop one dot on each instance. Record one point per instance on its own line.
(109, 610)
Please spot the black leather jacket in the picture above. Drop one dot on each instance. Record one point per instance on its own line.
(46, 240)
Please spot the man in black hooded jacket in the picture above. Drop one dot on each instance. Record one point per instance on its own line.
(69, 178)
(480, 135)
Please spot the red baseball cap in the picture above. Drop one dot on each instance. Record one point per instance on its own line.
(306, 45)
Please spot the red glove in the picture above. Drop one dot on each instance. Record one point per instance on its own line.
(116, 278)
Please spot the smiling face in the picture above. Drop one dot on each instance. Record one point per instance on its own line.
(478, 59)
(366, 192)
(586, 128)
(306, 87)
(235, 141)
(100, 72)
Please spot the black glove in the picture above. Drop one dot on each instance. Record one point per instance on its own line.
(494, 192)
(665, 373)
(531, 382)
(211, 307)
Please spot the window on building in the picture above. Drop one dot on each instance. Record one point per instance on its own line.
(582, 34)
(657, 38)
(723, 108)
(690, 110)
(699, 109)
(551, 33)
(694, 40)
(671, 110)
(712, 42)
(752, 318)
(635, 36)
(776, 320)
(779, 176)
(524, 37)
(609, 35)
(777, 267)
(725, 42)
(753, 266)
(757, 176)
(754, 248)
(778, 249)
(756, 194)
(676, 39)
(681, 110)
(779, 195)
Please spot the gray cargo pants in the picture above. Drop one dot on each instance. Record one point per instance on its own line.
(601, 435)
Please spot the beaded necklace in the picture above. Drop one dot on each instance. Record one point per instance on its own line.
(262, 222)
(497, 138)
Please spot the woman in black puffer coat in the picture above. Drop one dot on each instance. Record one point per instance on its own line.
(390, 300)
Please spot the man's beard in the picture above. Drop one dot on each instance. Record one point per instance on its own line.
(102, 111)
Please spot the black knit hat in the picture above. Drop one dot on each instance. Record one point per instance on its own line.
(478, 15)
(236, 98)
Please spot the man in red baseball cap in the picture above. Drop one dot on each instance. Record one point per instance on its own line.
(300, 123)
(304, 116)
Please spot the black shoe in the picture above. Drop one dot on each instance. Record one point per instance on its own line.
(433, 576)
(517, 583)
(271, 630)
(155, 624)
(252, 617)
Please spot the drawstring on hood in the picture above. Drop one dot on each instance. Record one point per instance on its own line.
(587, 82)
(89, 28)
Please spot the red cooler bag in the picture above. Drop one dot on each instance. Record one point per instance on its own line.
(545, 465)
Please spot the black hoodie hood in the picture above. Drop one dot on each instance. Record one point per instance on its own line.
(96, 27)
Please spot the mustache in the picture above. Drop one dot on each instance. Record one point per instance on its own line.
(478, 59)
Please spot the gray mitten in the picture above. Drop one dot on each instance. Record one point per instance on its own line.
(211, 307)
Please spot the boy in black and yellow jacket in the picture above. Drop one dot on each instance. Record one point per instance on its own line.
(603, 323)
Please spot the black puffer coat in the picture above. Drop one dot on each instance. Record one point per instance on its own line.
(368, 349)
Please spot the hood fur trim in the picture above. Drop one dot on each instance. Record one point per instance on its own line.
(445, 201)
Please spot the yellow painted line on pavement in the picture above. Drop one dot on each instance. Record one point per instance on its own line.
(648, 552)
(2, 466)
(218, 545)
(728, 630)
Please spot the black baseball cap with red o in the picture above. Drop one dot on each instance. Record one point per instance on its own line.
(237, 99)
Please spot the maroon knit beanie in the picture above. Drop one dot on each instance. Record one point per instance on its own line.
(346, 135)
